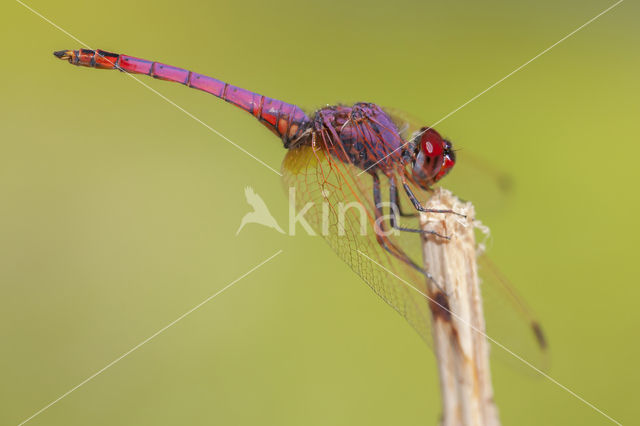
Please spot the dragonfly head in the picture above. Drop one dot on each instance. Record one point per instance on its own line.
(432, 158)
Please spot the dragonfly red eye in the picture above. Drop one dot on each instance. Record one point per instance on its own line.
(447, 164)
(431, 143)
(433, 158)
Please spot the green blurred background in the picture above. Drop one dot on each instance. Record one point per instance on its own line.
(119, 212)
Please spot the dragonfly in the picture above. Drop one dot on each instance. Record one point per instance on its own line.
(379, 159)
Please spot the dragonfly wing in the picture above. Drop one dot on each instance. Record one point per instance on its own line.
(509, 319)
(405, 122)
(342, 211)
(339, 199)
(469, 165)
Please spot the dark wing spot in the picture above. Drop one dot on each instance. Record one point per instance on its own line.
(537, 330)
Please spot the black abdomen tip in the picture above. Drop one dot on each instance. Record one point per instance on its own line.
(64, 54)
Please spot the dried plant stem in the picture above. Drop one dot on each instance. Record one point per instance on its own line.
(460, 346)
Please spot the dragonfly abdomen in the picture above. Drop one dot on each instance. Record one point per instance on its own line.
(288, 121)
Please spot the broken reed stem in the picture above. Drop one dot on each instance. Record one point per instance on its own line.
(462, 352)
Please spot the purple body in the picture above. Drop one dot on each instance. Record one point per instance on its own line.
(368, 137)
(363, 134)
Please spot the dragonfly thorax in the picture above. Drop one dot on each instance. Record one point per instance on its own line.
(362, 135)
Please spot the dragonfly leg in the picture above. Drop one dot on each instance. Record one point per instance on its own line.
(419, 206)
(397, 203)
(377, 199)
(389, 247)
(393, 196)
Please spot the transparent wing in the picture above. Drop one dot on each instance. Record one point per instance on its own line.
(334, 191)
(473, 174)
(407, 124)
(339, 202)
(508, 318)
